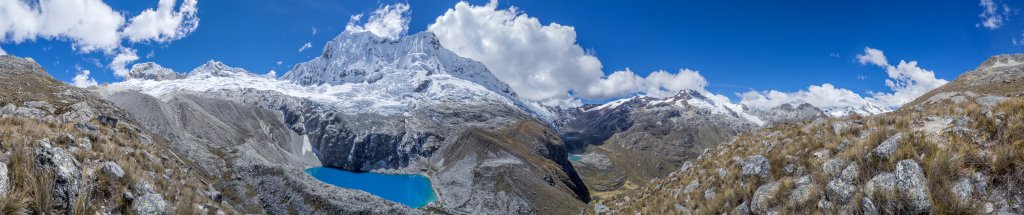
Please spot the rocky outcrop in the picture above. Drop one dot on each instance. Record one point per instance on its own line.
(67, 175)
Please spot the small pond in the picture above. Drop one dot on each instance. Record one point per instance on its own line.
(411, 190)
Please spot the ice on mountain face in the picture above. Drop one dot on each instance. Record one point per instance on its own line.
(685, 99)
(358, 73)
(865, 109)
(152, 71)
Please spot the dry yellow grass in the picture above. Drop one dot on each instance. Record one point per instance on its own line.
(995, 148)
(30, 188)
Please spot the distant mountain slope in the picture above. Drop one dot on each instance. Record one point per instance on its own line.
(400, 105)
(957, 150)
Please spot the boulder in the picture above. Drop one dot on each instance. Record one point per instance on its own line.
(963, 189)
(111, 169)
(756, 165)
(884, 183)
(868, 207)
(887, 147)
(850, 173)
(763, 200)
(66, 172)
(803, 191)
(149, 204)
(4, 180)
(911, 182)
(833, 166)
(742, 209)
(840, 191)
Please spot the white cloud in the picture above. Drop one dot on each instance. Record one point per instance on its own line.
(391, 21)
(279, 62)
(272, 74)
(2, 52)
(89, 24)
(872, 56)
(83, 80)
(314, 30)
(163, 24)
(906, 80)
(993, 14)
(92, 25)
(543, 62)
(305, 46)
(822, 96)
(124, 57)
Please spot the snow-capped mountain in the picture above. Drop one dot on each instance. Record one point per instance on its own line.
(370, 103)
(865, 109)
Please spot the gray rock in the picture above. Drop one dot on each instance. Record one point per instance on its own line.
(79, 112)
(143, 188)
(112, 169)
(742, 209)
(840, 191)
(709, 193)
(692, 186)
(833, 167)
(145, 140)
(911, 182)
(851, 173)
(887, 147)
(149, 204)
(41, 105)
(963, 189)
(762, 201)
(756, 165)
(601, 209)
(4, 180)
(85, 143)
(884, 182)
(789, 169)
(868, 207)
(66, 173)
(803, 191)
(686, 166)
(596, 160)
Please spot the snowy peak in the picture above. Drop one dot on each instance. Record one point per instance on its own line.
(152, 71)
(217, 69)
(685, 99)
(865, 109)
(363, 57)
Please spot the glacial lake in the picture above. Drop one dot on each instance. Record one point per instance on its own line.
(575, 157)
(411, 190)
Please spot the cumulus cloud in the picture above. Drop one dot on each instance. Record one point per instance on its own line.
(906, 80)
(163, 24)
(993, 14)
(543, 62)
(272, 74)
(89, 24)
(121, 61)
(83, 80)
(822, 96)
(391, 21)
(872, 56)
(305, 46)
(92, 25)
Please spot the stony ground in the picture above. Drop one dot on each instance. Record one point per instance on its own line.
(960, 154)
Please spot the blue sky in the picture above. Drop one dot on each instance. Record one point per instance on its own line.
(738, 46)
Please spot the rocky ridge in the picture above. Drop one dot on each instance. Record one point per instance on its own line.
(956, 152)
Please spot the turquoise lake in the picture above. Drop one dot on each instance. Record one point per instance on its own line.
(575, 157)
(411, 190)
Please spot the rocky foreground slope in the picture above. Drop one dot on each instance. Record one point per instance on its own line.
(956, 150)
(67, 151)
